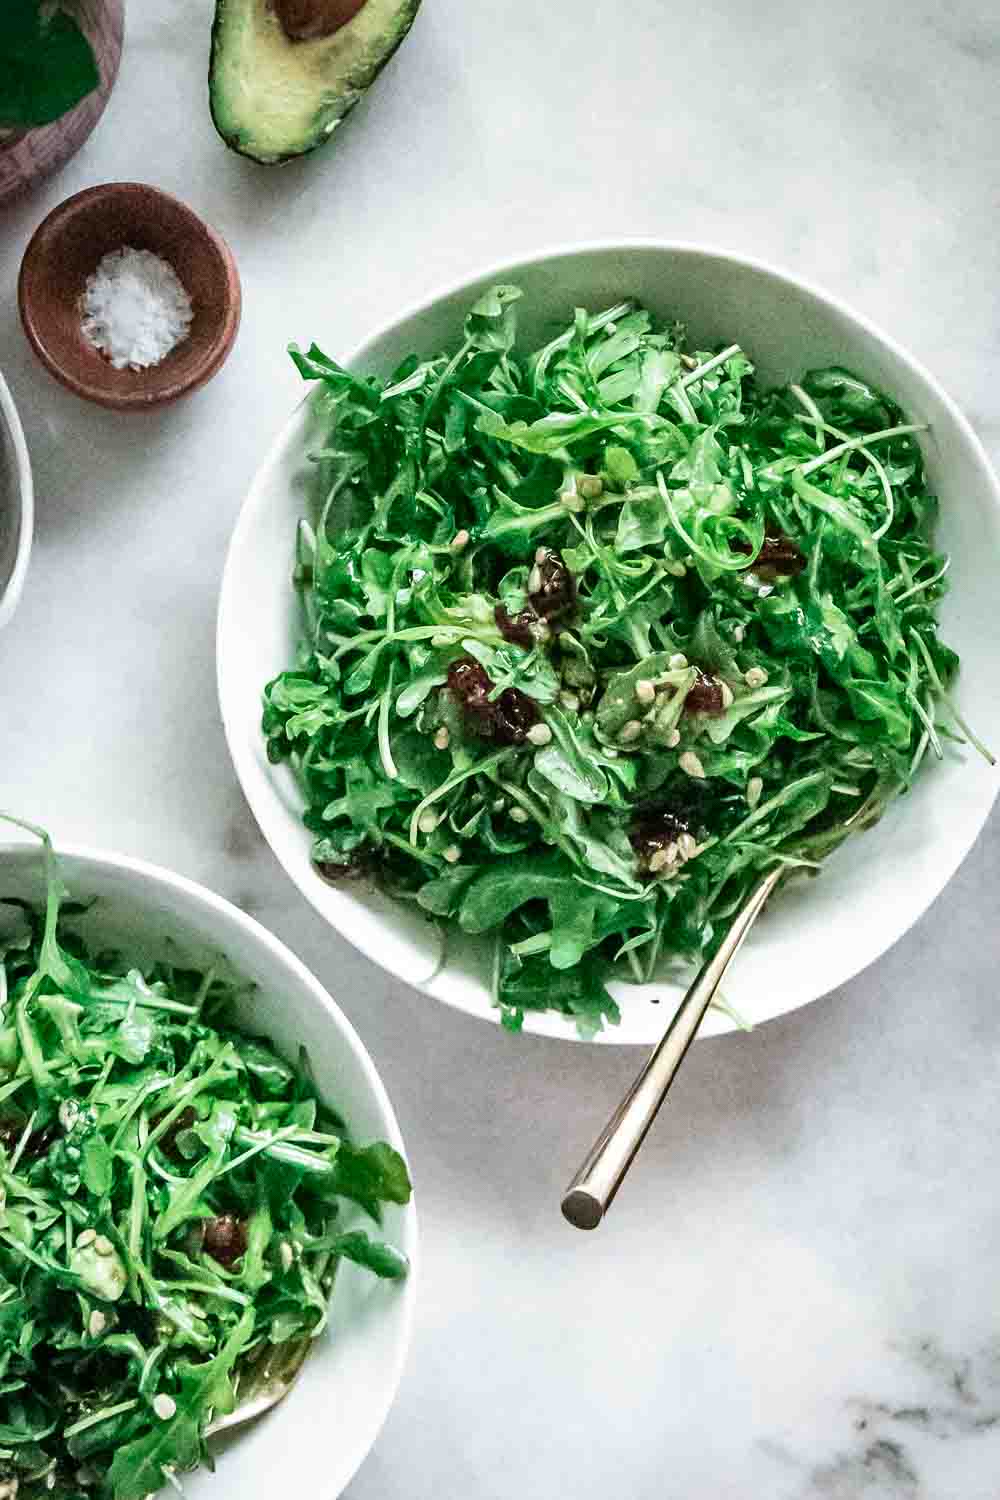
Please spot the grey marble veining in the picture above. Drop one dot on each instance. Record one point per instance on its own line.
(796, 1296)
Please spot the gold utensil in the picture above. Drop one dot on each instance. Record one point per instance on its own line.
(592, 1191)
(263, 1383)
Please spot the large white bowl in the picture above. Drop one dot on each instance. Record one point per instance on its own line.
(17, 509)
(324, 1428)
(818, 934)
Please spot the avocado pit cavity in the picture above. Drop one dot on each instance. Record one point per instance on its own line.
(305, 20)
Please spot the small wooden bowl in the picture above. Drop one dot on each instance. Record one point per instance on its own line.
(66, 248)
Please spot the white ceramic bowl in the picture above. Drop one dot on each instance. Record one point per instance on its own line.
(325, 1427)
(818, 934)
(17, 506)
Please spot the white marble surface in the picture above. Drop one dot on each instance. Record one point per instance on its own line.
(796, 1296)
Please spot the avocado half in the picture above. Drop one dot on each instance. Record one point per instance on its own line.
(275, 95)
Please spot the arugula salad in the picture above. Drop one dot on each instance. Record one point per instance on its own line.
(597, 632)
(169, 1192)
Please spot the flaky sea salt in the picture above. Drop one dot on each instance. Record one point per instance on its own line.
(135, 309)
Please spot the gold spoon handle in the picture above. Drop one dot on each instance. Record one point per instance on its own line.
(592, 1191)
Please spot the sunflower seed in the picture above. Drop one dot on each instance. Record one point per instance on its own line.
(661, 858)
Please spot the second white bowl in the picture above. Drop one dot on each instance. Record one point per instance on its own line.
(314, 1441)
(818, 934)
(17, 505)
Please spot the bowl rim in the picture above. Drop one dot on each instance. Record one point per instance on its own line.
(149, 875)
(542, 1023)
(26, 495)
(211, 241)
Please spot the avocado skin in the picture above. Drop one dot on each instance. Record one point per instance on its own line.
(357, 74)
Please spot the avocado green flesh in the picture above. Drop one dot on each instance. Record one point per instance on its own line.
(272, 97)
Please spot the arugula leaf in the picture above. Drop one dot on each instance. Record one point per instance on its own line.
(498, 892)
(556, 431)
(137, 1468)
(643, 522)
(96, 1166)
(491, 323)
(442, 894)
(371, 1175)
(513, 666)
(572, 761)
(386, 1261)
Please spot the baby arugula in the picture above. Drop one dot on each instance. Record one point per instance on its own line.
(170, 1191)
(597, 633)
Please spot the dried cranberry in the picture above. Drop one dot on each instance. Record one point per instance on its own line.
(507, 720)
(168, 1140)
(705, 696)
(551, 597)
(654, 829)
(516, 628)
(359, 863)
(332, 871)
(471, 685)
(515, 713)
(38, 1142)
(225, 1238)
(778, 556)
(551, 586)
